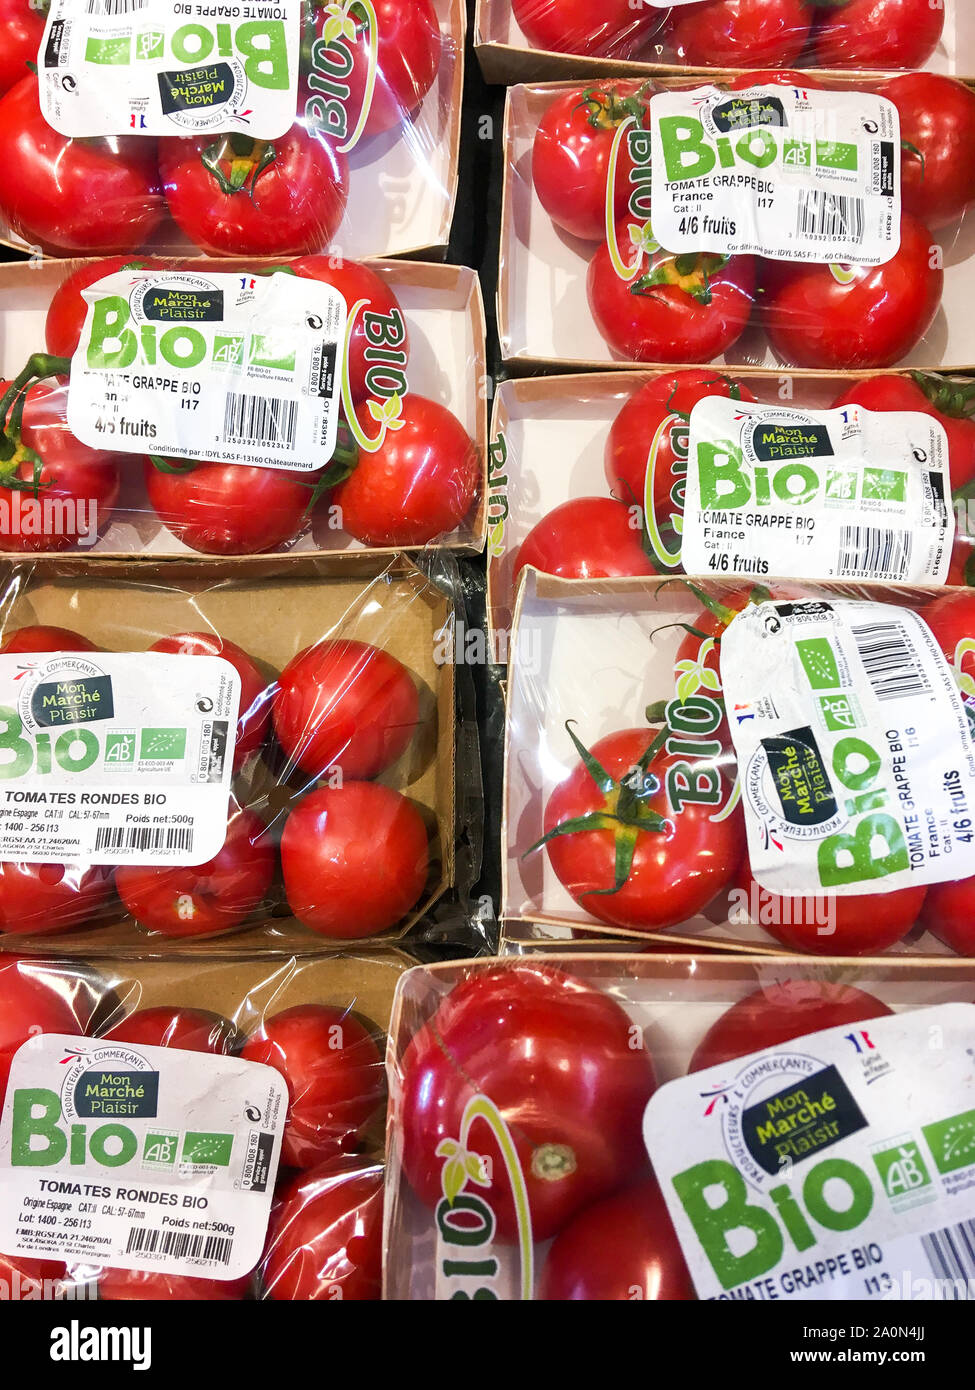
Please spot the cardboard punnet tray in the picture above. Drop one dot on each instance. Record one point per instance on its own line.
(272, 613)
(544, 321)
(444, 310)
(506, 56)
(599, 654)
(402, 184)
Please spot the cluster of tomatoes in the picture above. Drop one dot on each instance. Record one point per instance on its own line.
(570, 1073)
(418, 484)
(324, 1237)
(354, 853)
(632, 861)
(736, 33)
(229, 195)
(695, 307)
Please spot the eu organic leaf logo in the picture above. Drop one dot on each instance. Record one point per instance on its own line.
(462, 1166)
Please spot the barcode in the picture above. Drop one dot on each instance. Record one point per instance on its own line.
(827, 216)
(112, 7)
(951, 1255)
(179, 1245)
(874, 552)
(891, 663)
(260, 420)
(144, 837)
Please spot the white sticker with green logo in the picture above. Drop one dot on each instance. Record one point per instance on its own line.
(846, 494)
(162, 67)
(781, 172)
(855, 751)
(115, 757)
(837, 1166)
(151, 1158)
(212, 368)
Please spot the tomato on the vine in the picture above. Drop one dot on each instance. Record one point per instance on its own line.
(255, 692)
(611, 29)
(67, 309)
(334, 1071)
(876, 33)
(949, 913)
(571, 155)
(586, 538)
(841, 318)
(229, 508)
(687, 308)
(346, 704)
(951, 619)
(948, 402)
(380, 324)
(188, 1030)
(937, 118)
(775, 77)
(325, 1236)
(97, 197)
(731, 33)
(564, 1067)
(621, 847)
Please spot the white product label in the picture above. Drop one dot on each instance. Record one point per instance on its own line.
(781, 172)
(115, 758)
(151, 1158)
(216, 368)
(837, 1166)
(162, 67)
(850, 493)
(855, 753)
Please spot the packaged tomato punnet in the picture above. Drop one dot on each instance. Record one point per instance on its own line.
(228, 135)
(755, 220)
(628, 1127)
(269, 756)
(236, 408)
(774, 764)
(208, 1134)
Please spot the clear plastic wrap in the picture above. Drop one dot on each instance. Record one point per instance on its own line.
(625, 810)
(407, 412)
(552, 38)
(368, 166)
(616, 431)
(673, 284)
(516, 1164)
(318, 1024)
(340, 778)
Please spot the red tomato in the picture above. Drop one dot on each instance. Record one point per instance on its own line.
(409, 47)
(587, 538)
(22, 1278)
(255, 692)
(345, 704)
(355, 859)
(229, 508)
(22, 26)
(325, 1236)
(96, 197)
(233, 196)
(671, 863)
(419, 484)
(949, 912)
(38, 638)
(189, 1030)
(71, 489)
(334, 1072)
(777, 1013)
(33, 999)
(731, 33)
(875, 320)
(44, 899)
(832, 926)
(952, 620)
(612, 29)
(571, 152)
(380, 325)
(937, 145)
(651, 432)
(876, 33)
(678, 309)
(67, 310)
(623, 1248)
(776, 77)
(202, 899)
(118, 1285)
(931, 395)
(564, 1067)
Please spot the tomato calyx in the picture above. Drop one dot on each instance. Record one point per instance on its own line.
(691, 273)
(237, 161)
(626, 810)
(734, 394)
(14, 453)
(952, 398)
(553, 1162)
(608, 110)
(342, 464)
